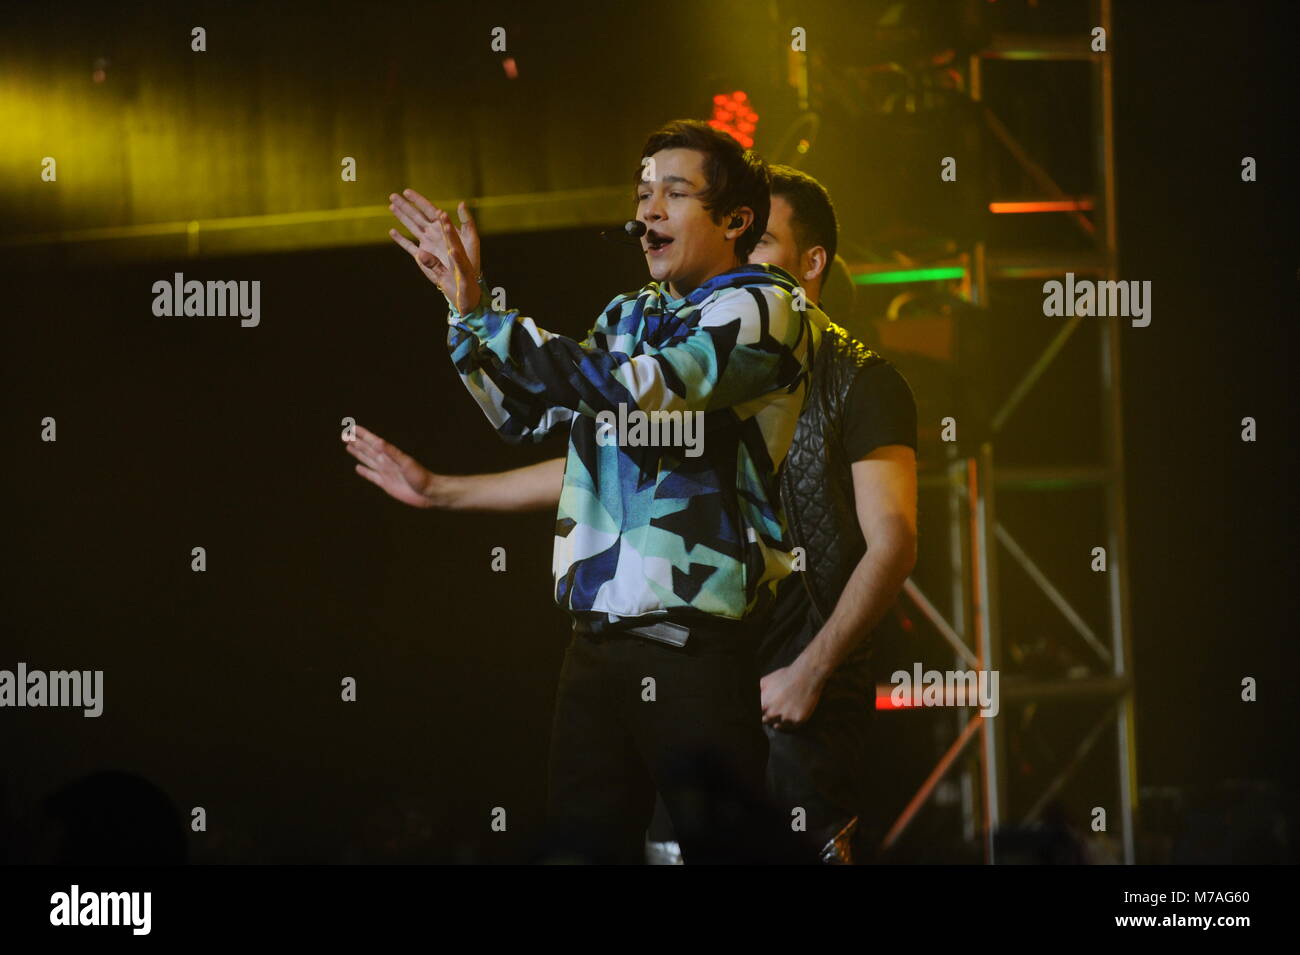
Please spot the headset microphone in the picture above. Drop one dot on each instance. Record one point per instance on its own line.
(632, 230)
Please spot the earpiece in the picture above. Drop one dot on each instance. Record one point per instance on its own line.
(736, 222)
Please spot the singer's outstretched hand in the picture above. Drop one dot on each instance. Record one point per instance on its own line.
(448, 256)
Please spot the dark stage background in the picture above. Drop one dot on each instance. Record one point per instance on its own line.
(222, 688)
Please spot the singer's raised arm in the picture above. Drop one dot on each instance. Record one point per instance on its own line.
(746, 341)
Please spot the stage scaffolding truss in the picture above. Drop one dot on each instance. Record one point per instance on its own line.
(970, 484)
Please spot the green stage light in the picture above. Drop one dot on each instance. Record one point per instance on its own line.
(909, 275)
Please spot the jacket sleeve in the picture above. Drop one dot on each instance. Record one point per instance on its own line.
(481, 343)
(746, 343)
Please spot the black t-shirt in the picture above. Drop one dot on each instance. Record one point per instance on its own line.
(880, 411)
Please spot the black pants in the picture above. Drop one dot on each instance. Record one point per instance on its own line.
(819, 767)
(633, 717)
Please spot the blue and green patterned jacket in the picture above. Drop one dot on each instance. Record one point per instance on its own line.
(653, 532)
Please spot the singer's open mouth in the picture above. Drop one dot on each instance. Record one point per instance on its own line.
(655, 241)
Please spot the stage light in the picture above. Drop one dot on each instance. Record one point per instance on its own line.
(732, 114)
(897, 276)
(1083, 203)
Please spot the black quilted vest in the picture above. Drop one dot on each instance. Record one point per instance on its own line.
(816, 476)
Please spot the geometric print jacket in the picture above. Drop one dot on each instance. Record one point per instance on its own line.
(658, 531)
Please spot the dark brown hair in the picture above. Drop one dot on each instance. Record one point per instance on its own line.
(736, 176)
(812, 217)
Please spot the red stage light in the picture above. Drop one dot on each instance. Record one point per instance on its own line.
(733, 115)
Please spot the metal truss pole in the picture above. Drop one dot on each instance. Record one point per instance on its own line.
(1112, 430)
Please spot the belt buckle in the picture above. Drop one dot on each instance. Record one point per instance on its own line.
(672, 634)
